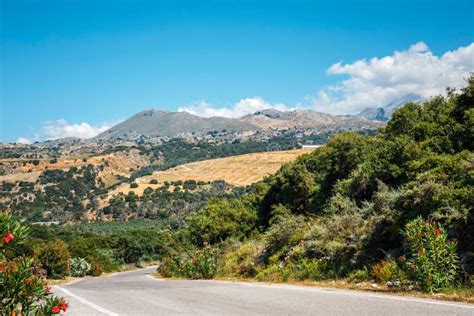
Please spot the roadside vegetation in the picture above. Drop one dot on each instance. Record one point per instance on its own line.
(24, 289)
(393, 209)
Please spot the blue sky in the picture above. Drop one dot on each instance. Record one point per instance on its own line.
(74, 67)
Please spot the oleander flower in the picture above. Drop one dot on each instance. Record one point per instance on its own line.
(8, 238)
(63, 306)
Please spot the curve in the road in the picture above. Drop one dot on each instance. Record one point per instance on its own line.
(137, 293)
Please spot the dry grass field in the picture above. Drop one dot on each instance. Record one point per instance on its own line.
(236, 170)
(115, 164)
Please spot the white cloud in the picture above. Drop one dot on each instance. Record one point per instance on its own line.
(379, 81)
(61, 129)
(241, 108)
(23, 140)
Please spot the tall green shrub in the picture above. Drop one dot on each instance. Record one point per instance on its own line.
(23, 286)
(54, 258)
(433, 261)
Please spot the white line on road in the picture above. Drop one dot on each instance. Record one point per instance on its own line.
(365, 294)
(88, 303)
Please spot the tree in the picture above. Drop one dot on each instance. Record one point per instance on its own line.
(222, 219)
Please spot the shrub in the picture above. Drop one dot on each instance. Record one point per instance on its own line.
(240, 262)
(96, 268)
(169, 267)
(54, 258)
(304, 269)
(273, 273)
(222, 219)
(189, 184)
(79, 266)
(23, 286)
(359, 275)
(107, 261)
(433, 261)
(133, 185)
(153, 181)
(202, 264)
(285, 232)
(387, 270)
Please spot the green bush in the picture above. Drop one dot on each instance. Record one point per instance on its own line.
(96, 268)
(222, 219)
(54, 258)
(79, 267)
(359, 275)
(285, 232)
(240, 262)
(272, 273)
(433, 261)
(23, 286)
(388, 270)
(202, 264)
(304, 269)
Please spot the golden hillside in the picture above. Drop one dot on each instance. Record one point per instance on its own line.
(114, 164)
(236, 170)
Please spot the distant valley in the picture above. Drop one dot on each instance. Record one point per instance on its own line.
(71, 179)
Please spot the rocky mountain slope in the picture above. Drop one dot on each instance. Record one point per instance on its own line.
(307, 119)
(385, 112)
(158, 123)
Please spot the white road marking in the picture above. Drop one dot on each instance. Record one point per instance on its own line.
(364, 294)
(88, 303)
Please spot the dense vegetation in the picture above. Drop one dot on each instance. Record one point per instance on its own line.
(23, 286)
(57, 195)
(172, 200)
(178, 151)
(396, 206)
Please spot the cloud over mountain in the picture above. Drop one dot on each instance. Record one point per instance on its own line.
(379, 81)
(62, 129)
(239, 109)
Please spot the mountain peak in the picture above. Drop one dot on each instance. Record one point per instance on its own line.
(160, 123)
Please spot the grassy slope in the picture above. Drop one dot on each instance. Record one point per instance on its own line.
(118, 164)
(238, 170)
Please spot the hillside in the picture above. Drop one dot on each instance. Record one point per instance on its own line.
(158, 123)
(110, 166)
(238, 170)
(308, 119)
(394, 208)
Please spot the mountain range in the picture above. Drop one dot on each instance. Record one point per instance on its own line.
(385, 112)
(159, 123)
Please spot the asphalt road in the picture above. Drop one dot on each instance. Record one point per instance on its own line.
(139, 293)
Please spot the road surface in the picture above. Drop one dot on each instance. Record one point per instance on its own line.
(139, 293)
